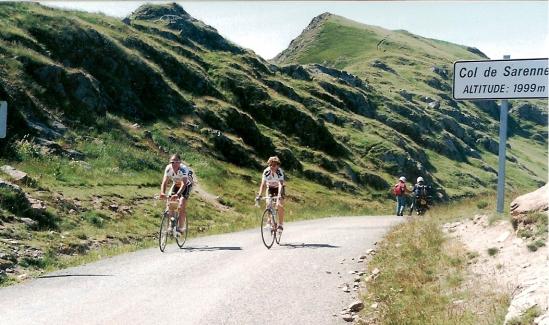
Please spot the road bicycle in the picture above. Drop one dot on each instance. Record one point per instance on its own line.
(269, 222)
(169, 224)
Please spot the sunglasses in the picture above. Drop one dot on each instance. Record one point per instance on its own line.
(175, 161)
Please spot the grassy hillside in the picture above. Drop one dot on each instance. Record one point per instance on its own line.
(413, 76)
(97, 105)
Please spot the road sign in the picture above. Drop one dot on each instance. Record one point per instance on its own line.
(501, 79)
(3, 119)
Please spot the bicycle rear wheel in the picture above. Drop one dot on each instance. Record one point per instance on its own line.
(182, 238)
(267, 229)
(163, 233)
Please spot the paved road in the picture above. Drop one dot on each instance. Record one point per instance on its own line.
(223, 279)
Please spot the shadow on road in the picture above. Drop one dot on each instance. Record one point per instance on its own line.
(69, 275)
(303, 245)
(212, 248)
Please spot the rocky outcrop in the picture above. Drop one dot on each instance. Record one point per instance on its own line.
(531, 113)
(296, 71)
(489, 144)
(441, 72)
(537, 201)
(124, 83)
(232, 151)
(187, 75)
(16, 175)
(383, 66)
(82, 88)
(344, 76)
(476, 51)
(438, 84)
(354, 100)
(174, 17)
(14, 200)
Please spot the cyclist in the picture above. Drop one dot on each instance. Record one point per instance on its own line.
(181, 177)
(272, 180)
(420, 188)
(421, 192)
(400, 191)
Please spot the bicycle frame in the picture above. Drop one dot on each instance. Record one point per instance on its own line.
(271, 202)
(172, 206)
(271, 205)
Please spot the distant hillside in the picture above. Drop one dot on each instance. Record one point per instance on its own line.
(412, 76)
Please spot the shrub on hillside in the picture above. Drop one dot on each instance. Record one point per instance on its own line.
(482, 204)
(97, 219)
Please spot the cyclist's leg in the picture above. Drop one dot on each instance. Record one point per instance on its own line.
(183, 205)
(182, 211)
(280, 209)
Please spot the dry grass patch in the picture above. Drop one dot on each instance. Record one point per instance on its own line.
(424, 280)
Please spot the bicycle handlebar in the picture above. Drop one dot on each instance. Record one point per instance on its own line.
(266, 197)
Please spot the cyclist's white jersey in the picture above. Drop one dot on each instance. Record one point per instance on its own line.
(271, 178)
(178, 176)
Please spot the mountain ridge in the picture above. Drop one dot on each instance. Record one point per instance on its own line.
(317, 23)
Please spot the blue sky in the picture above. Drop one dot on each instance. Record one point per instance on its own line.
(518, 28)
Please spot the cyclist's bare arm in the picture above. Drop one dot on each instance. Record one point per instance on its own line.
(183, 186)
(163, 187)
(261, 187)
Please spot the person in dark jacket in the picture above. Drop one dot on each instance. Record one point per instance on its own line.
(421, 196)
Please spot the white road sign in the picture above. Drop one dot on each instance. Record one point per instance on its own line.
(501, 79)
(3, 119)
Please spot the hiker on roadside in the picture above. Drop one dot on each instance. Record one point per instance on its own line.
(400, 190)
(421, 199)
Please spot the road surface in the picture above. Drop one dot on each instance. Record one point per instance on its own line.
(222, 279)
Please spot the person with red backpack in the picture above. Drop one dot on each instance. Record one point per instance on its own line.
(400, 190)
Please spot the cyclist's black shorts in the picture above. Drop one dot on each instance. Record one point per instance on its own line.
(186, 192)
(273, 191)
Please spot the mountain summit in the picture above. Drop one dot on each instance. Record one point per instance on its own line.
(153, 12)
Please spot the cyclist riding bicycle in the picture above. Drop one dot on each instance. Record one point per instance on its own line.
(182, 182)
(422, 197)
(272, 180)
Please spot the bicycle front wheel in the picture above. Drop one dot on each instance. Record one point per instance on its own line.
(267, 229)
(182, 238)
(163, 233)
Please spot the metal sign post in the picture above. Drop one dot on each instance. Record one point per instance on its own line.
(3, 119)
(501, 79)
(502, 148)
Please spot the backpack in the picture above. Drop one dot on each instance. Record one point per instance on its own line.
(398, 189)
(422, 190)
